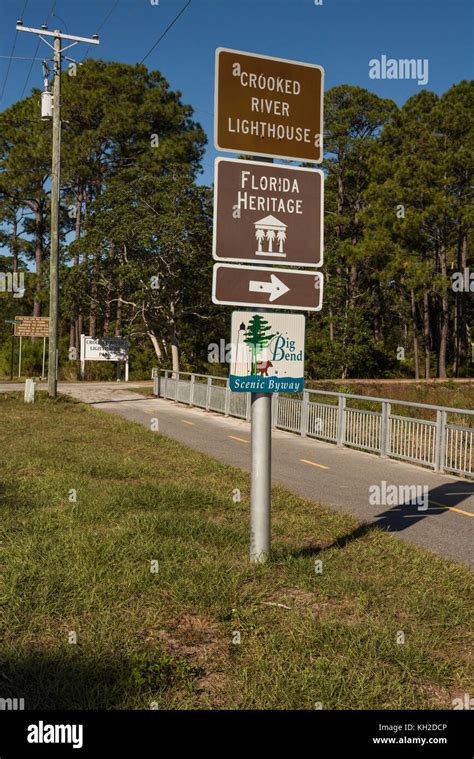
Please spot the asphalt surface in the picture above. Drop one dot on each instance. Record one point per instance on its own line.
(319, 471)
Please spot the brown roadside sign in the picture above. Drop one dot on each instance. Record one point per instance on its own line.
(268, 106)
(32, 326)
(267, 213)
(272, 287)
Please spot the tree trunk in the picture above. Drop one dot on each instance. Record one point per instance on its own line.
(174, 357)
(93, 308)
(156, 345)
(15, 245)
(444, 319)
(331, 325)
(461, 306)
(426, 332)
(39, 232)
(174, 345)
(118, 320)
(72, 334)
(416, 359)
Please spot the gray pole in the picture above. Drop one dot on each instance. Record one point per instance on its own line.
(19, 360)
(13, 352)
(260, 492)
(54, 258)
(261, 477)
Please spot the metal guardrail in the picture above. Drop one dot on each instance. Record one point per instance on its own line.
(440, 443)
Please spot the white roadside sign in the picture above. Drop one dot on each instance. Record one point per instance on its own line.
(104, 349)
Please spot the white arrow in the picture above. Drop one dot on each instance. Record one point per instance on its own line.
(275, 287)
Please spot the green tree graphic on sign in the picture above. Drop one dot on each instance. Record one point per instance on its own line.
(256, 336)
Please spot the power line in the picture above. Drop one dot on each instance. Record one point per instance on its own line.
(21, 58)
(11, 55)
(102, 24)
(61, 19)
(36, 51)
(166, 31)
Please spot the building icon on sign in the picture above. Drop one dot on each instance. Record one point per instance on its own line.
(270, 233)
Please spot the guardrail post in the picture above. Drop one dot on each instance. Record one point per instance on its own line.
(385, 429)
(166, 383)
(304, 414)
(156, 386)
(208, 394)
(191, 390)
(227, 399)
(440, 445)
(275, 410)
(176, 375)
(341, 420)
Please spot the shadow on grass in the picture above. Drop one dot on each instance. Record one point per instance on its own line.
(67, 680)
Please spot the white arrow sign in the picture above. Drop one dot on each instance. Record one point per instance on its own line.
(275, 287)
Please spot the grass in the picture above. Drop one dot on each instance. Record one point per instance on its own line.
(135, 594)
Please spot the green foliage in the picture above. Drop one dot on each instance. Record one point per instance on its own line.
(136, 227)
(148, 674)
(257, 337)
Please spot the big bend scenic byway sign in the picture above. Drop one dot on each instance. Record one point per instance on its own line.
(267, 352)
(268, 106)
(267, 213)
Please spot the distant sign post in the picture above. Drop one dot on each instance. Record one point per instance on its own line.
(267, 106)
(13, 323)
(267, 213)
(32, 326)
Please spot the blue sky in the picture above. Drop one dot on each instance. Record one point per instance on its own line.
(340, 35)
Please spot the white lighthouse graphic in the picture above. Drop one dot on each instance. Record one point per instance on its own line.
(270, 233)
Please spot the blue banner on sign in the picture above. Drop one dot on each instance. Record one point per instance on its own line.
(257, 384)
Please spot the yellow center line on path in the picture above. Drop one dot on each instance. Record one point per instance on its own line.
(313, 463)
(240, 439)
(451, 508)
(185, 421)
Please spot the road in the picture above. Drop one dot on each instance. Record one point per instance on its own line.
(336, 477)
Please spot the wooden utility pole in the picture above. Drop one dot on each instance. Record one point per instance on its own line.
(54, 255)
(55, 188)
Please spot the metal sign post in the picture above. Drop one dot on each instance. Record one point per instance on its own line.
(265, 214)
(261, 477)
(14, 323)
(19, 359)
(261, 472)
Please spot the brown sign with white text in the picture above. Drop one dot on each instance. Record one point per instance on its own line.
(267, 213)
(268, 106)
(238, 285)
(32, 326)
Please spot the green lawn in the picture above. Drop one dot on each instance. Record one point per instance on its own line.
(167, 639)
